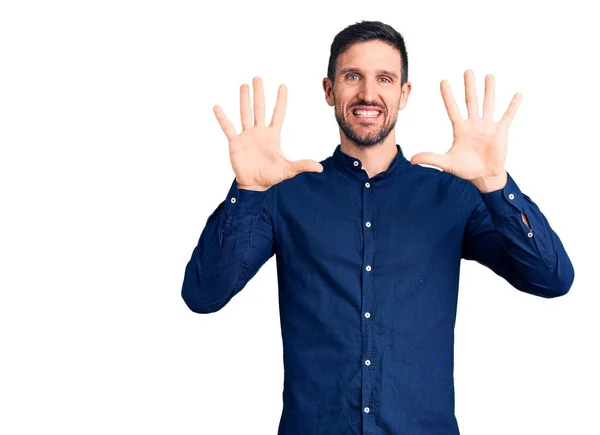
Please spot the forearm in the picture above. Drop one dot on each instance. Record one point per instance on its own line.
(235, 242)
(535, 251)
(508, 233)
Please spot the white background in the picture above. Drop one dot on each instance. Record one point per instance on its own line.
(112, 160)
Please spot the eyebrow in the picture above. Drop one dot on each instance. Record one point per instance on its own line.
(379, 71)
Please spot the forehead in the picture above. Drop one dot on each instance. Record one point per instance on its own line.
(370, 55)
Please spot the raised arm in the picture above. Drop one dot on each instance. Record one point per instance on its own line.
(239, 235)
(506, 231)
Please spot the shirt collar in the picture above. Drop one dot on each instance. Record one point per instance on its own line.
(353, 165)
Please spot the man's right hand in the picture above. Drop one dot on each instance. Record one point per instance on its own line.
(255, 153)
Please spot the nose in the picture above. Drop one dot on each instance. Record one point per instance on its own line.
(367, 91)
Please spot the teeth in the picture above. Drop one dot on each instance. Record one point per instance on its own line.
(366, 113)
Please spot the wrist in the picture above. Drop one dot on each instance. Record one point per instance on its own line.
(490, 184)
(254, 188)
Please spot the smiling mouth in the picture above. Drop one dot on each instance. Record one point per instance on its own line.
(367, 115)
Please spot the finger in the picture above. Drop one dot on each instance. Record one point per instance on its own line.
(471, 94)
(225, 123)
(259, 101)
(512, 109)
(245, 110)
(280, 105)
(488, 98)
(305, 165)
(450, 102)
(442, 161)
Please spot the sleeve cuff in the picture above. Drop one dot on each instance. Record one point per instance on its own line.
(244, 200)
(505, 201)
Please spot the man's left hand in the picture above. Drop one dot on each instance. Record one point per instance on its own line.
(479, 148)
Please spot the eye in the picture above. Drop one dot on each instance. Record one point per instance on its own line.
(356, 75)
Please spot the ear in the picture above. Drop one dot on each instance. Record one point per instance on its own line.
(328, 88)
(404, 95)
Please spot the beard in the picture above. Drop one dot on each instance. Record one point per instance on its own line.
(366, 135)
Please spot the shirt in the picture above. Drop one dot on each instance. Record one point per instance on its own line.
(368, 274)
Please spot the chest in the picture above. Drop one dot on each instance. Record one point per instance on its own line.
(395, 226)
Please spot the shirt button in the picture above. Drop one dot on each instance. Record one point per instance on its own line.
(511, 196)
(367, 315)
(355, 163)
(530, 234)
(368, 224)
(369, 267)
(367, 409)
(233, 200)
(367, 185)
(368, 362)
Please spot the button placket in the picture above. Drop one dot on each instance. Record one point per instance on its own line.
(368, 346)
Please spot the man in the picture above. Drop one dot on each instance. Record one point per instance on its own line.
(369, 244)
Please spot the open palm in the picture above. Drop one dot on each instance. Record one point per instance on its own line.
(479, 147)
(255, 153)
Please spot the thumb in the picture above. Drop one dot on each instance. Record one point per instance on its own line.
(434, 159)
(306, 165)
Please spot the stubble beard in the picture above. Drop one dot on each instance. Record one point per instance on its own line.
(363, 139)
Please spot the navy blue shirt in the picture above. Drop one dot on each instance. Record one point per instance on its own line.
(368, 273)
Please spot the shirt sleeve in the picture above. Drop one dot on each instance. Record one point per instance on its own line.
(531, 260)
(237, 240)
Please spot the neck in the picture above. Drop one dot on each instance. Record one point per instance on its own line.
(375, 158)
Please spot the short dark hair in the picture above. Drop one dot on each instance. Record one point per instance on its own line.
(367, 31)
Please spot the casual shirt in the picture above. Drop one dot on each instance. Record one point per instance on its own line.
(368, 274)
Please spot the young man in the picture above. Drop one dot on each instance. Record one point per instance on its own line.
(369, 244)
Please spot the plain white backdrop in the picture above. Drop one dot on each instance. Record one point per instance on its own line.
(112, 160)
